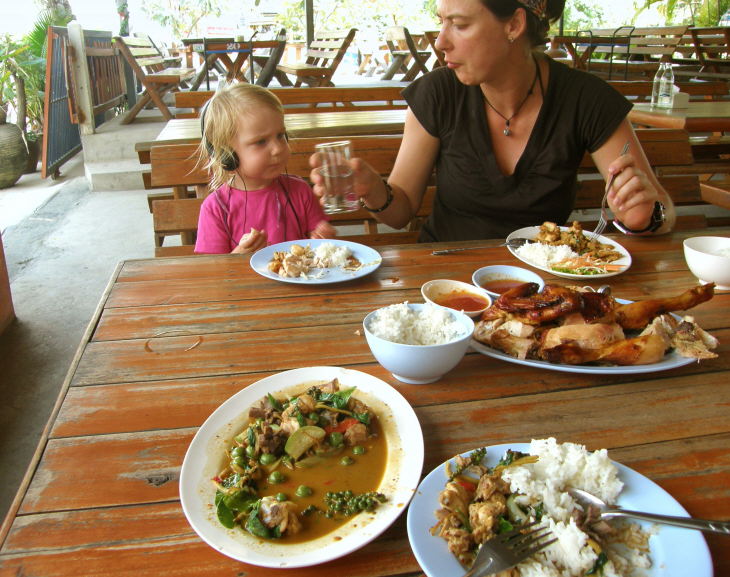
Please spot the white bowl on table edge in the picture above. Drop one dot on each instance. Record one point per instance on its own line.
(434, 289)
(420, 364)
(503, 272)
(704, 261)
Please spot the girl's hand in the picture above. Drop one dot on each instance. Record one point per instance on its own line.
(323, 230)
(251, 242)
(632, 195)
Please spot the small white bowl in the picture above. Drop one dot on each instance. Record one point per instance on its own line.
(420, 364)
(704, 259)
(447, 293)
(500, 272)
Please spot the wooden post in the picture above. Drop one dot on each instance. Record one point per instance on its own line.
(7, 313)
(80, 67)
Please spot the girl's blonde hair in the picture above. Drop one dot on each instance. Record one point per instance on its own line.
(219, 124)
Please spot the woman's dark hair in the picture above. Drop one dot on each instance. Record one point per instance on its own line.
(537, 28)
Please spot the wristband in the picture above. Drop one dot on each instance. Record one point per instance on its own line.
(388, 199)
(657, 219)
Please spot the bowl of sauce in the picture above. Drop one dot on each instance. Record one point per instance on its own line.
(498, 279)
(456, 295)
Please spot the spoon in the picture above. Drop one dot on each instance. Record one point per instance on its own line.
(584, 499)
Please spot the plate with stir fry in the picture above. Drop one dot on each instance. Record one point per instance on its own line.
(302, 467)
(570, 252)
(444, 540)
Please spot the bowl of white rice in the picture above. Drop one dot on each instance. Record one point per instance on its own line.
(708, 257)
(418, 342)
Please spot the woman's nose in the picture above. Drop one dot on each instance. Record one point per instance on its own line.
(440, 41)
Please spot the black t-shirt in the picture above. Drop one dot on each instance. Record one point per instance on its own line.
(474, 200)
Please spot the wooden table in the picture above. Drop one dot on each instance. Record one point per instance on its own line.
(699, 116)
(214, 50)
(300, 125)
(101, 496)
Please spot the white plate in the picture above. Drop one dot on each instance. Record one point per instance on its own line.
(369, 258)
(204, 457)
(672, 360)
(675, 552)
(531, 232)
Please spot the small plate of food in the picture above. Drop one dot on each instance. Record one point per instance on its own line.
(302, 467)
(569, 252)
(315, 261)
(583, 331)
(530, 481)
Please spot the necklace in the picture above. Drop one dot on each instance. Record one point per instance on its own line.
(507, 131)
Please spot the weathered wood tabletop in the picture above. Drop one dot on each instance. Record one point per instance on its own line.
(101, 497)
(699, 116)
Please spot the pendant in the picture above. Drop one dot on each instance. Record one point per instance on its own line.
(506, 130)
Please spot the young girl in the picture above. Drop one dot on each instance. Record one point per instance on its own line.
(254, 202)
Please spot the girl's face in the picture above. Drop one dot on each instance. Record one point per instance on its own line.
(473, 40)
(261, 145)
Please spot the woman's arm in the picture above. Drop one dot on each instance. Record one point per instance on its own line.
(408, 179)
(635, 188)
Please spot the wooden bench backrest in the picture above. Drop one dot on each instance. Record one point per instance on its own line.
(663, 148)
(712, 45)
(657, 42)
(328, 47)
(141, 53)
(310, 99)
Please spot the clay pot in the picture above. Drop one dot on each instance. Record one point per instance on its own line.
(13, 154)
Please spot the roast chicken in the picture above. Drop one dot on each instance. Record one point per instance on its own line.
(574, 326)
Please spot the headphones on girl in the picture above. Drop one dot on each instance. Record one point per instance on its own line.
(228, 158)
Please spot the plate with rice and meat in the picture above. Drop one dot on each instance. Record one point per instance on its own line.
(504, 486)
(569, 252)
(315, 261)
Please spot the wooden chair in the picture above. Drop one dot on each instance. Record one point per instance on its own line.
(306, 99)
(640, 90)
(148, 66)
(268, 63)
(323, 57)
(405, 55)
(632, 53)
(712, 45)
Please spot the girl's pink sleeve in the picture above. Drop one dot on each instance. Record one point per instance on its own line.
(212, 235)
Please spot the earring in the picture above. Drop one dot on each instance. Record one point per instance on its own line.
(510, 39)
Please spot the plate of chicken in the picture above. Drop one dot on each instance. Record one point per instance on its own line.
(582, 331)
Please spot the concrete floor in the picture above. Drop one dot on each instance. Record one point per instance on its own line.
(62, 243)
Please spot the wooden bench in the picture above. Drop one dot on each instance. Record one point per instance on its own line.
(322, 59)
(712, 45)
(668, 151)
(307, 99)
(148, 66)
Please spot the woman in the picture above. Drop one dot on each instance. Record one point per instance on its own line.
(506, 128)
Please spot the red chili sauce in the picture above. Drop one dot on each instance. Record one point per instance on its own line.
(461, 301)
(501, 285)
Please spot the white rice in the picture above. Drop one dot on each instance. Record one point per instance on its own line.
(328, 255)
(559, 467)
(545, 255)
(399, 323)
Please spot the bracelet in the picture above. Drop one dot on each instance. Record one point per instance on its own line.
(388, 199)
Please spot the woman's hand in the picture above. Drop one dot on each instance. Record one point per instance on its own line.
(251, 242)
(364, 177)
(632, 194)
(323, 230)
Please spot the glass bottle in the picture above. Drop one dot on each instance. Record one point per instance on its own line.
(656, 84)
(666, 87)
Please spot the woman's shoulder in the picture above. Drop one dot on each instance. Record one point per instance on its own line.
(572, 79)
(439, 80)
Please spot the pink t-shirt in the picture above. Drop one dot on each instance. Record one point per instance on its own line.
(228, 213)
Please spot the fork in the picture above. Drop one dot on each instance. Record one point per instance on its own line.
(603, 219)
(509, 549)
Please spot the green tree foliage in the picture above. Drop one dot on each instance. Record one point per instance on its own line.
(181, 17)
(691, 12)
(582, 14)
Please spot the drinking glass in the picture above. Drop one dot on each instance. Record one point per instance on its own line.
(337, 175)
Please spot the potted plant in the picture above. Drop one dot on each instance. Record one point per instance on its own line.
(13, 151)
